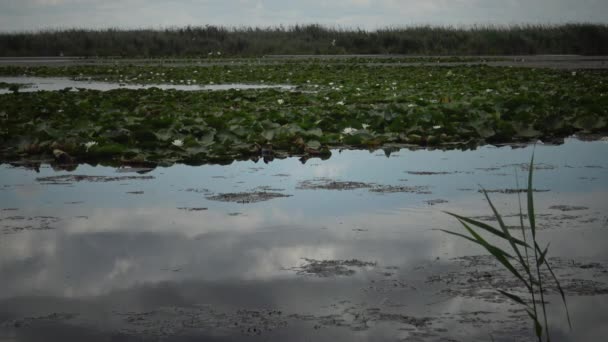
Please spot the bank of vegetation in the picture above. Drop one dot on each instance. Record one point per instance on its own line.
(580, 38)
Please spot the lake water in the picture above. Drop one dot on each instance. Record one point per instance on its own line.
(343, 249)
(59, 83)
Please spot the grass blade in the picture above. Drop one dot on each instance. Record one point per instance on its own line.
(506, 232)
(498, 253)
(513, 297)
(488, 228)
(531, 216)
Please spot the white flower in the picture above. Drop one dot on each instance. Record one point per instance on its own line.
(358, 89)
(364, 126)
(177, 142)
(340, 103)
(489, 90)
(349, 130)
(436, 127)
(331, 83)
(89, 144)
(280, 101)
(574, 73)
(411, 105)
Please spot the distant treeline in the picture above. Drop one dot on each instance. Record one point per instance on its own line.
(585, 39)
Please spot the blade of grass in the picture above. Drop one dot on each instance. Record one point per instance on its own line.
(487, 227)
(498, 253)
(506, 232)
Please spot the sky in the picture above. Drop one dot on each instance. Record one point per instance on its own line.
(27, 15)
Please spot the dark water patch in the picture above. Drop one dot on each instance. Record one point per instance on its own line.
(511, 191)
(480, 276)
(526, 166)
(18, 223)
(430, 173)
(281, 175)
(29, 321)
(192, 208)
(139, 192)
(175, 321)
(197, 190)
(436, 201)
(329, 184)
(247, 197)
(67, 179)
(567, 207)
(387, 189)
(331, 268)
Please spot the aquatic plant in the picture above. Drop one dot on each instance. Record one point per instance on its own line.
(525, 261)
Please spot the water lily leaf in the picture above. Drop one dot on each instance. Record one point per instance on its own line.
(268, 134)
(314, 144)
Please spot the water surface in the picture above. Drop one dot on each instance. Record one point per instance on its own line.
(158, 256)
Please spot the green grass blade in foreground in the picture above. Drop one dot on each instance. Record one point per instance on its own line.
(513, 297)
(498, 253)
(487, 227)
(506, 232)
(531, 217)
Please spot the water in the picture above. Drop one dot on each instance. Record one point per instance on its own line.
(157, 258)
(59, 83)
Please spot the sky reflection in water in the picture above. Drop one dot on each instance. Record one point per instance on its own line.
(112, 253)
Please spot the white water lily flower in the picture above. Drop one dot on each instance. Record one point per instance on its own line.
(349, 130)
(489, 90)
(331, 83)
(89, 144)
(574, 73)
(364, 126)
(436, 127)
(177, 142)
(340, 103)
(280, 101)
(411, 105)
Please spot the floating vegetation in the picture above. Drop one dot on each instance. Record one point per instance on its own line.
(416, 189)
(510, 191)
(334, 105)
(436, 201)
(567, 207)
(331, 268)
(330, 184)
(67, 179)
(192, 208)
(247, 197)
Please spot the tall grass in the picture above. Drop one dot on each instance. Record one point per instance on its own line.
(579, 38)
(525, 261)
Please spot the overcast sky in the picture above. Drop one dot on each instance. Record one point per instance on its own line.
(18, 15)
